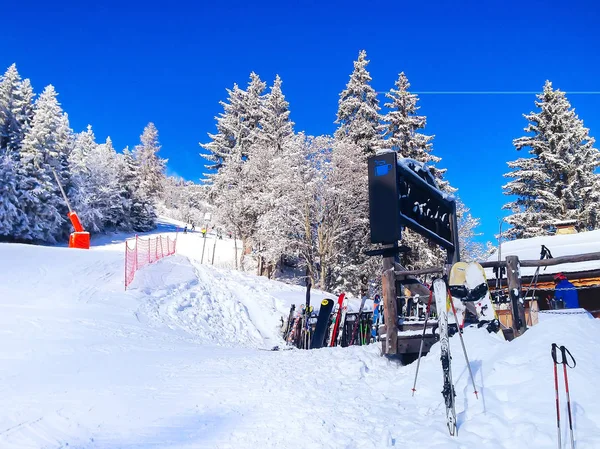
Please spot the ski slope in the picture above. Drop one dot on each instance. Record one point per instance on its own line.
(176, 362)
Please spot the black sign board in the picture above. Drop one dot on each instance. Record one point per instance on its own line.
(424, 209)
(405, 195)
(384, 212)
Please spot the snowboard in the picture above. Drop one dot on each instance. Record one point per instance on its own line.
(475, 280)
(458, 275)
(318, 337)
(440, 293)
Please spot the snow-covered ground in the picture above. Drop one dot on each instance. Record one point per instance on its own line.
(176, 362)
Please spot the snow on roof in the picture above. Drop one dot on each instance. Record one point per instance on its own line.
(564, 222)
(559, 245)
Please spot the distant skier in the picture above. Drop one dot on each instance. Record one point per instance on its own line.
(185, 229)
(193, 227)
(203, 231)
(565, 293)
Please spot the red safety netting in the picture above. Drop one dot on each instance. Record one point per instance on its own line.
(140, 252)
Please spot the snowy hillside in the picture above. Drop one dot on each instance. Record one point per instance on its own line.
(175, 362)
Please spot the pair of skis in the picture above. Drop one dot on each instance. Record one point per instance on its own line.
(444, 302)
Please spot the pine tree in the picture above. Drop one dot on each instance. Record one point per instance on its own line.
(222, 146)
(151, 168)
(401, 129)
(16, 111)
(45, 148)
(358, 109)
(233, 189)
(95, 191)
(402, 125)
(356, 138)
(13, 220)
(275, 124)
(268, 152)
(137, 215)
(106, 160)
(558, 181)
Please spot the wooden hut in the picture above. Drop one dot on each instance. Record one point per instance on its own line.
(566, 242)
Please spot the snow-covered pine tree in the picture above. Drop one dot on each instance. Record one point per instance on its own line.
(13, 220)
(232, 189)
(470, 250)
(136, 215)
(356, 138)
(16, 111)
(559, 180)
(296, 226)
(402, 132)
(267, 154)
(275, 124)
(46, 146)
(152, 168)
(105, 160)
(402, 125)
(84, 188)
(142, 175)
(222, 145)
(358, 109)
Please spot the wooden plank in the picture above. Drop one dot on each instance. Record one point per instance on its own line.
(403, 273)
(390, 310)
(560, 260)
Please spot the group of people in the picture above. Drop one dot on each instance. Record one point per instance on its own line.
(203, 231)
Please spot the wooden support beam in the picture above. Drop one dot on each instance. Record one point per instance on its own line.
(514, 288)
(415, 287)
(401, 272)
(390, 307)
(493, 264)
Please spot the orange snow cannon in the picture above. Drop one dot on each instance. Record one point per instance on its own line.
(80, 238)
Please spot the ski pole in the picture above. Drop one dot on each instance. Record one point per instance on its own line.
(422, 341)
(463, 343)
(564, 351)
(554, 346)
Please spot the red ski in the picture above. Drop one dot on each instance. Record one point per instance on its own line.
(336, 325)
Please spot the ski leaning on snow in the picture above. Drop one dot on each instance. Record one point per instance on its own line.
(375, 325)
(336, 320)
(357, 321)
(441, 302)
(342, 324)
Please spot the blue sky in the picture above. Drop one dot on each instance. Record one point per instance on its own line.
(119, 65)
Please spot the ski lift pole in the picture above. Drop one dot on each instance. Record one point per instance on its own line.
(422, 341)
(462, 342)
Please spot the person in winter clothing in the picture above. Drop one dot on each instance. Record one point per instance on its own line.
(185, 229)
(565, 291)
(193, 227)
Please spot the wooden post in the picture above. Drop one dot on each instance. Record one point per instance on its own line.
(513, 274)
(390, 308)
